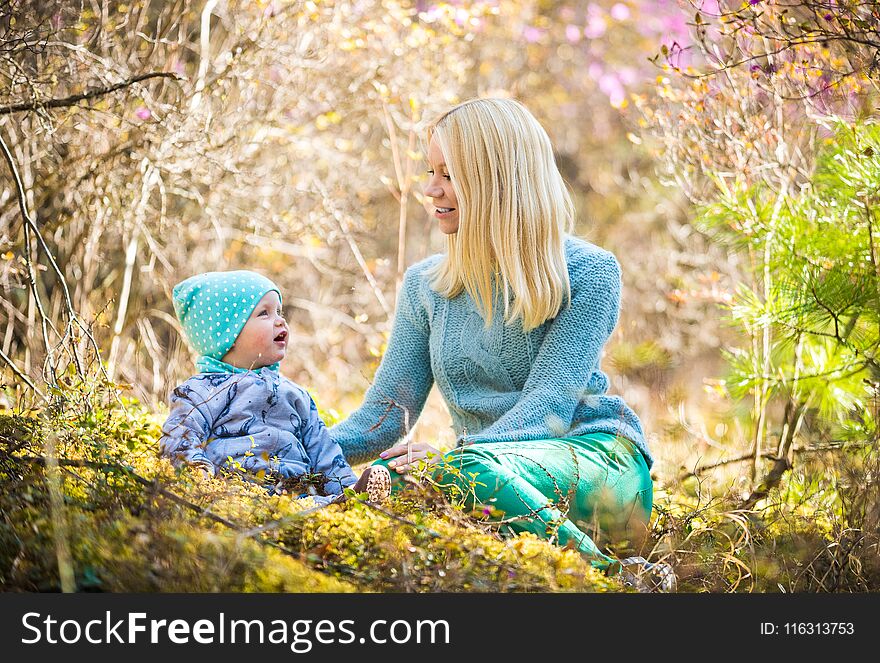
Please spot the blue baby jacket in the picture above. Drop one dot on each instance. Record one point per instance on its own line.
(500, 383)
(259, 419)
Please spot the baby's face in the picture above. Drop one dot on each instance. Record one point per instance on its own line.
(263, 339)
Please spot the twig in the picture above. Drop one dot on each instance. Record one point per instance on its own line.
(30, 226)
(141, 480)
(697, 471)
(177, 499)
(343, 226)
(22, 376)
(72, 316)
(76, 98)
(204, 48)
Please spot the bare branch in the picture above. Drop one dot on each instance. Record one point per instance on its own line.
(85, 96)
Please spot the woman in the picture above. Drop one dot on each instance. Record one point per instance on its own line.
(510, 323)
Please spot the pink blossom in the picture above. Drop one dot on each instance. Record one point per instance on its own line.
(143, 113)
(572, 33)
(610, 85)
(595, 28)
(532, 34)
(432, 13)
(676, 24)
(620, 12)
(679, 56)
(628, 75)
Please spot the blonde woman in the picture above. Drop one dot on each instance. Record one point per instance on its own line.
(510, 323)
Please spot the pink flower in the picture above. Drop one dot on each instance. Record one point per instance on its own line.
(572, 33)
(610, 85)
(628, 75)
(676, 24)
(432, 14)
(595, 28)
(532, 34)
(143, 113)
(620, 12)
(617, 97)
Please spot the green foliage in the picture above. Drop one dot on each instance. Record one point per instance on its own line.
(810, 320)
(814, 258)
(134, 523)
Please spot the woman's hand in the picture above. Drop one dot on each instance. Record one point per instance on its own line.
(403, 463)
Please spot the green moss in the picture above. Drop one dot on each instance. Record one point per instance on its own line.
(135, 524)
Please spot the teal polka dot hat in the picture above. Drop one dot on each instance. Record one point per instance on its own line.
(213, 308)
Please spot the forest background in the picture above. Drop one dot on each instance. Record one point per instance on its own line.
(724, 151)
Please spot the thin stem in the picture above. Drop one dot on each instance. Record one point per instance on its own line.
(85, 96)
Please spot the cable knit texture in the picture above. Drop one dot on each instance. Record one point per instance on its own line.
(258, 419)
(500, 383)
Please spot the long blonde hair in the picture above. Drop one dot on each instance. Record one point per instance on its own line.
(514, 211)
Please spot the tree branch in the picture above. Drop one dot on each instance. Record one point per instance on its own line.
(84, 96)
(21, 376)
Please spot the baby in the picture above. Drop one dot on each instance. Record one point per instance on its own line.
(239, 412)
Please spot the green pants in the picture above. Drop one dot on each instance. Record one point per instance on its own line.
(558, 489)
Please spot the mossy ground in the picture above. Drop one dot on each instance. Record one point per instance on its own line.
(121, 519)
(127, 521)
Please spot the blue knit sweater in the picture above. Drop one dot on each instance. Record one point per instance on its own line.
(500, 383)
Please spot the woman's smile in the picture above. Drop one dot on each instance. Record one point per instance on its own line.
(443, 212)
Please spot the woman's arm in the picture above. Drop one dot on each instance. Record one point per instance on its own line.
(401, 384)
(568, 356)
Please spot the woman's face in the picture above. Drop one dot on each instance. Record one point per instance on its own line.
(444, 206)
